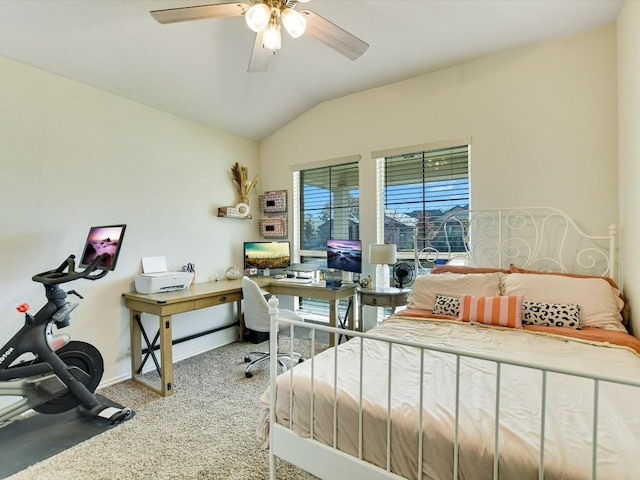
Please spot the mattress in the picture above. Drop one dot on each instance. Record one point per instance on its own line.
(568, 421)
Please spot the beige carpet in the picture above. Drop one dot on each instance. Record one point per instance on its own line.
(206, 430)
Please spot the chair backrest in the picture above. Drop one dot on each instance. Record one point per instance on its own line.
(256, 308)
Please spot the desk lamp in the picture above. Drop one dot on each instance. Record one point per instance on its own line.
(382, 255)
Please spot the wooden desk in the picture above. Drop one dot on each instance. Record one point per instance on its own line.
(321, 293)
(204, 295)
(164, 305)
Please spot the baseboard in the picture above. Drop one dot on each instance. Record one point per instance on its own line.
(149, 367)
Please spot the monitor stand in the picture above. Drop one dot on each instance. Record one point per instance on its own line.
(347, 277)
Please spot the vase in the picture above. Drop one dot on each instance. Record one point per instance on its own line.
(233, 273)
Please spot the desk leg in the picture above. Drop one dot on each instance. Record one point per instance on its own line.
(361, 317)
(351, 316)
(166, 357)
(333, 314)
(136, 343)
(240, 321)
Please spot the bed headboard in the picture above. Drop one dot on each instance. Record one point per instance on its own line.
(537, 238)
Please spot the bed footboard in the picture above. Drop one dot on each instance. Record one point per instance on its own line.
(350, 412)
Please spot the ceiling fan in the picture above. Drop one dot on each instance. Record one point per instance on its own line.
(265, 18)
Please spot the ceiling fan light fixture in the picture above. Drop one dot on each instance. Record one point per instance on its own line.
(257, 17)
(294, 22)
(271, 39)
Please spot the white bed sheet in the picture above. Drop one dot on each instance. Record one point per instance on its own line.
(569, 431)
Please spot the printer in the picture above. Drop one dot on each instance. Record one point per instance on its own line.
(159, 282)
(156, 279)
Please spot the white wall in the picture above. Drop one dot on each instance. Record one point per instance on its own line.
(629, 152)
(542, 121)
(72, 157)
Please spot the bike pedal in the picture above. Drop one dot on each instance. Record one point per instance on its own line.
(115, 415)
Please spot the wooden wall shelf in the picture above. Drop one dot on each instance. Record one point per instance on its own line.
(231, 212)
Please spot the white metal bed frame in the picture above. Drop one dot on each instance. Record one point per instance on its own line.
(494, 249)
(540, 238)
(327, 462)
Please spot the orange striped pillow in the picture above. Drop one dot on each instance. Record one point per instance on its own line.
(505, 311)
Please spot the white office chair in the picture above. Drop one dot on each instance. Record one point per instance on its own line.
(256, 318)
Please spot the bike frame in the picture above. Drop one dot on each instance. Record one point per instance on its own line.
(46, 377)
(40, 382)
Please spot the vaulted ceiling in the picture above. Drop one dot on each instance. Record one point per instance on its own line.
(198, 69)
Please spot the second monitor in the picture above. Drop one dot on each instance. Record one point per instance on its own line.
(263, 255)
(345, 255)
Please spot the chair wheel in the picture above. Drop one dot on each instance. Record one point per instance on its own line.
(248, 374)
(247, 358)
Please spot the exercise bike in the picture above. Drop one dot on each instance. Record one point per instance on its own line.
(64, 373)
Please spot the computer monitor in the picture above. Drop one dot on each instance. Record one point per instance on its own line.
(101, 240)
(272, 255)
(345, 255)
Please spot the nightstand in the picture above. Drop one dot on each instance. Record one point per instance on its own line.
(380, 297)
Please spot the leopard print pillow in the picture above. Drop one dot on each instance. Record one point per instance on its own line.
(551, 314)
(445, 305)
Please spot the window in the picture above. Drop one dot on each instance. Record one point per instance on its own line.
(418, 189)
(328, 207)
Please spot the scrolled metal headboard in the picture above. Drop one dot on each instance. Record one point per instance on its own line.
(536, 238)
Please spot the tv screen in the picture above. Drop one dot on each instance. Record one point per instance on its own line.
(101, 240)
(263, 255)
(345, 255)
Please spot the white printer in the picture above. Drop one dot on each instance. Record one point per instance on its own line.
(156, 278)
(159, 282)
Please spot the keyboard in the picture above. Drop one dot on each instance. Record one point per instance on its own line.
(294, 280)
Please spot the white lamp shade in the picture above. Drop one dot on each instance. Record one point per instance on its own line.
(271, 38)
(294, 22)
(382, 253)
(257, 17)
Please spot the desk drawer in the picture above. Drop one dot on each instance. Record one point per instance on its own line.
(218, 300)
(160, 309)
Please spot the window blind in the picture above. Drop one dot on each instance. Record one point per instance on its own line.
(328, 208)
(329, 205)
(419, 189)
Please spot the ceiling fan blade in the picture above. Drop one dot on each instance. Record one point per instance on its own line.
(333, 36)
(185, 14)
(259, 56)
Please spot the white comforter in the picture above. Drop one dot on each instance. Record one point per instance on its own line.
(569, 417)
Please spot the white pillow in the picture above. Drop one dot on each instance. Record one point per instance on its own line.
(425, 287)
(599, 302)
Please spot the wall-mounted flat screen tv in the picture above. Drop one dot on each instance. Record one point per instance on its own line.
(272, 255)
(100, 240)
(345, 255)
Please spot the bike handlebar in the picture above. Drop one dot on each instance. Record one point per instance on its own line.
(58, 275)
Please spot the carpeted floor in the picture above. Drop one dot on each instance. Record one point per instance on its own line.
(206, 430)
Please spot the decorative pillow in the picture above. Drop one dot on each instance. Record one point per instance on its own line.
(551, 314)
(504, 311)
(598, 301)
(425, 287)
(445, 305)
(621, 300)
